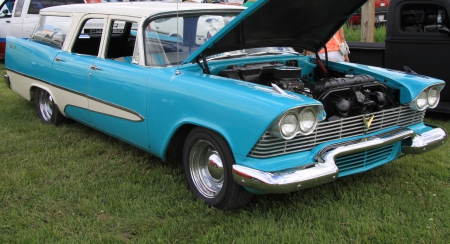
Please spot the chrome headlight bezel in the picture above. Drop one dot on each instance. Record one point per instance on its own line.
(424, 101)
(276, 129)
(431, 91)
(309, 130)
(284, 122)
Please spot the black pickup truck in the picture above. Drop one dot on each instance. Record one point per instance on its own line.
(416, 37)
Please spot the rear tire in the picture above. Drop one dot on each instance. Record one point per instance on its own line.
(207, 162)
(47, 109)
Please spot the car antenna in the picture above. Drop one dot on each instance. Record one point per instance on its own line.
(178, 50)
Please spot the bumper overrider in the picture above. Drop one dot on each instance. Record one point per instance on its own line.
(8, 83)
(325, 169)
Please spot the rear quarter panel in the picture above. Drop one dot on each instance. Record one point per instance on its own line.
(30, 60)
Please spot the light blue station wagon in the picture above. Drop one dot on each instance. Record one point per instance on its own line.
(225, 91)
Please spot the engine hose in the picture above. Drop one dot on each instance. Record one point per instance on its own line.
(321, 66)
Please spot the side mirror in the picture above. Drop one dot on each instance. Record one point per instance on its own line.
(444, 30)
(5, 11)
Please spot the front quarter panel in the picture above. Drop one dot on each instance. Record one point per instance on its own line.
(410, 85)
(240, 111)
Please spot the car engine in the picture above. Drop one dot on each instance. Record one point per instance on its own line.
(342, 95)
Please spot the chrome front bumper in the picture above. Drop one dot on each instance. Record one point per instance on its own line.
(325, 170)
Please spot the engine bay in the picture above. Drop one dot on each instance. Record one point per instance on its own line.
(342, 95)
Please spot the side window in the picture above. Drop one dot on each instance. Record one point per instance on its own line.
(6, 9)
(162, 39)
(51, 30)
(36, 5)
(122, 41)
(423, 17)
(19, 7)
(89, 37)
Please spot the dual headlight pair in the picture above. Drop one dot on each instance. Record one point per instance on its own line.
(428, 98)
(302, 120)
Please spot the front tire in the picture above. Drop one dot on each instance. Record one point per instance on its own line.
(47, 109)
(207, 162)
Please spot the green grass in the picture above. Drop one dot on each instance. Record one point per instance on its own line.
(353, 33)
(72, 184)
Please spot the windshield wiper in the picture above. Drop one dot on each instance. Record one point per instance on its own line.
(264, 53)
(270, 52)
(225, 56)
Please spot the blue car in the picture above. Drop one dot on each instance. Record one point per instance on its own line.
(225, 91)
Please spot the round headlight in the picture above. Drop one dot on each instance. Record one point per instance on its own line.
(422, 100)
(433, 97)
(289, 125)
(308, 121)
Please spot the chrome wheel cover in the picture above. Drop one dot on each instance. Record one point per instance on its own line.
(206, 169)
(45, 102)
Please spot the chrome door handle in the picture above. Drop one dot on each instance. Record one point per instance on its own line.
(93, 67)
(58, 59)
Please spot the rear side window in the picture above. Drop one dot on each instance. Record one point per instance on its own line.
(51, 30)
(37, 5)
(19, 7)
(89, 37)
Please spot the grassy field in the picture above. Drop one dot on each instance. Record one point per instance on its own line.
(72, 184)
(353, 34)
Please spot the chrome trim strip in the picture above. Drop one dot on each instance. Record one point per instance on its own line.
(317, 173)
(141, 118)
(118, 107)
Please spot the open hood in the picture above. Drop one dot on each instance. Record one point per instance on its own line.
(301, 24)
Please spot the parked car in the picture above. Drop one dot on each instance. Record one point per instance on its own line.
(381, 10)
(229, 2)
(417, 36)
(19, 17)
(243, 112)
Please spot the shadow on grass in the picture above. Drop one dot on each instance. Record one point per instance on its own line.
(437, 116)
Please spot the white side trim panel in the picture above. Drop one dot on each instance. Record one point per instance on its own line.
(104, 108)
(22, 85)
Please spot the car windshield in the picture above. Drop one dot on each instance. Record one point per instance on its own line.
(170, 40)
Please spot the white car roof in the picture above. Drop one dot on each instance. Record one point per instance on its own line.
(136, 9)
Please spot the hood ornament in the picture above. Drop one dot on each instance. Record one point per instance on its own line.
(368, 122)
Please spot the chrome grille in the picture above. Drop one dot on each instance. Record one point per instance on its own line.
(361, 160)
(270, 146)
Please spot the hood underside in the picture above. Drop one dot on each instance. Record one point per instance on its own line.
(301, 24)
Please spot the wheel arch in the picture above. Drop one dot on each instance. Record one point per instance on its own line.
(34, 87)
(48, 88)
(174, 149)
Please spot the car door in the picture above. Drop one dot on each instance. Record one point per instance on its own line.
(5, 23)
(70, 69)
(117, 87)
(70, 72)
(416, 42)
